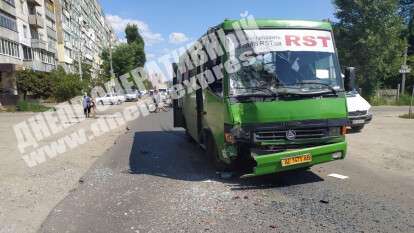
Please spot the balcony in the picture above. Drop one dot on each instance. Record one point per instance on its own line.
(35, 2)
(36, 21)
(51, 47)
(51, 33)
(7, 8)
(39, 44)
(50, 14)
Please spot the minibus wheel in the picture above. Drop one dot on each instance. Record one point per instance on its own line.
(212, 154)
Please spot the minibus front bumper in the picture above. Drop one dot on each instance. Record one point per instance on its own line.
(272, 163)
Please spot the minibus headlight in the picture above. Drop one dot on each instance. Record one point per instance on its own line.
(334, 131)
(239, 132)
(234, 133)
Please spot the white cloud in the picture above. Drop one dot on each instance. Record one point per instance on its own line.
(150, 56)
(178, 37)
(118, 24)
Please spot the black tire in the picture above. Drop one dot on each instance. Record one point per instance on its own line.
(101, 102)
(212, 154)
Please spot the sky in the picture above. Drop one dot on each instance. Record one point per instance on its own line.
(166, 25)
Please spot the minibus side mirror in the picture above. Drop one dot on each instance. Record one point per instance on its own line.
(349, 80)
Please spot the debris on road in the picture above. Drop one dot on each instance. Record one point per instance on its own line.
(324, 201)
(342, 177)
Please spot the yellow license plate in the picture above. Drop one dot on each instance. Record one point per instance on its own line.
(306, 158)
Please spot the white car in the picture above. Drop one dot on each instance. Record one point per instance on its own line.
(132, 96)
(110, 98)
(358, 111)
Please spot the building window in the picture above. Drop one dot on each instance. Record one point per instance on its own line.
(10, 2)
(9, 48)
(8, 22)
(25, 31)
(27, 53)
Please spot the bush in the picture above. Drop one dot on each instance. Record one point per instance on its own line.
(67, 87)
(36, 84)
(30, 106)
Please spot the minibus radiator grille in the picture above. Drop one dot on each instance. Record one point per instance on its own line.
(271, 135)
(358, 113)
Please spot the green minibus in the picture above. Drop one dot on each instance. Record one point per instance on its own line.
(271, 100)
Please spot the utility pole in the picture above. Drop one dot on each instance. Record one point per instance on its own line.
(404, 71)
(80, 47)
(110, 54)
(110, 62)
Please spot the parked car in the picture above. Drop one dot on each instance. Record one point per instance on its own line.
(358, 111)
(111, 98)
(132, 95)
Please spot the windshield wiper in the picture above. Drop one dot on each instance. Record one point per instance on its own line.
(272, 93)
(322, 84)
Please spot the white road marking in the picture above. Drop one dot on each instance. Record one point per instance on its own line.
(342, 177)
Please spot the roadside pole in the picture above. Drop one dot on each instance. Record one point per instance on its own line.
(111, 64)
(404, 71)
(410, 111)
(398, 92)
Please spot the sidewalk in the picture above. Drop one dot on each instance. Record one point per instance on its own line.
(28, 194)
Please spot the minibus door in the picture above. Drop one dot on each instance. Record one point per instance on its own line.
(178, 118)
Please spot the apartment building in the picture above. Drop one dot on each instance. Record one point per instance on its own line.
(41, 34)
(9, 46)
(83, 33)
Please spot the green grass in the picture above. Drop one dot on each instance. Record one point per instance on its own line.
(407, 116)
(30, 106)
(404, 100)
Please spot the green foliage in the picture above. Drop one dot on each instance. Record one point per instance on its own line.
(37, 84)
(125, 56)
(368, 37)
(404, 100)
(68, 87)
(30, 106)
(123, 59)
(407, 116)
(132, 34)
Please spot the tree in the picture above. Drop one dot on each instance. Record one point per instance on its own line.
(67, 87)
(123, 59)
(136, 44)
(37, 84)
(132, 34)
(125, 56)
(25, 80)
(368, 37)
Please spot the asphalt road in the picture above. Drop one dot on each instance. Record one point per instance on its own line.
(154, 180)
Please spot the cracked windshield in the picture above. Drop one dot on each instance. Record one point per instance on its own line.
(276, 69)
